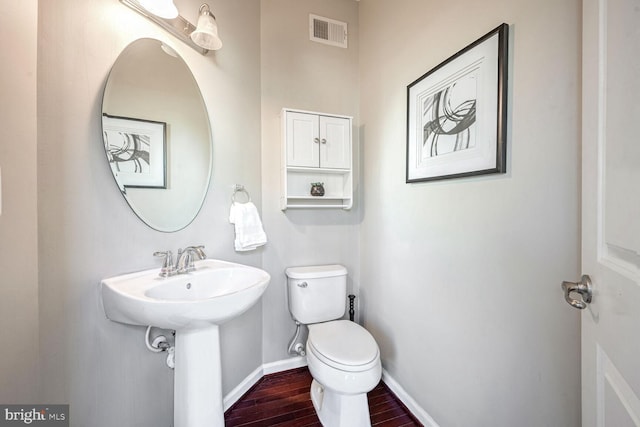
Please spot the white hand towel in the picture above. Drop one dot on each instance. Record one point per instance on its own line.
(249, 231)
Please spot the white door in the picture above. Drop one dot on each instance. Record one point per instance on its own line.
(335, 142)
(611, 213)
(302, 139)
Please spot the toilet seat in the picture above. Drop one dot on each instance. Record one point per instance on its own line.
(343, 345)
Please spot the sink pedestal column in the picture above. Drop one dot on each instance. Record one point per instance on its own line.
(197, 398)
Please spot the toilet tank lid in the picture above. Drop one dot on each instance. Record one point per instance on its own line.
(316, 271)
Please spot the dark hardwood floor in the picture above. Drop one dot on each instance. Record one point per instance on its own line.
(283, 400)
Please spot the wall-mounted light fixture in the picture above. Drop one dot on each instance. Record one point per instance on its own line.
(206, 34)
(202, 38)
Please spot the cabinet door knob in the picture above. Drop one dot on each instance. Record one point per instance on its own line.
(316, 140)
(324, 141)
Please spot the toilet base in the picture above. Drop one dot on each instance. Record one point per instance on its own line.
(340, 410)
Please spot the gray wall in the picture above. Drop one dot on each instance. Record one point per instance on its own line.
(298, 73)
(460, 278)
(18, 221)
(87, 231)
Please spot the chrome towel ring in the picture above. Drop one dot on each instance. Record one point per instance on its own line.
(238, 188)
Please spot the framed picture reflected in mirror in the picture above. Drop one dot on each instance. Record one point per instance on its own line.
(136, 150)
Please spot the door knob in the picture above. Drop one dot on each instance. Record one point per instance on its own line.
(583, 287)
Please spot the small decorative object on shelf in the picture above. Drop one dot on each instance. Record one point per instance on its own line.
(317, 189)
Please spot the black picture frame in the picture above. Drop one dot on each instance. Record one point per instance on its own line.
(457, 113)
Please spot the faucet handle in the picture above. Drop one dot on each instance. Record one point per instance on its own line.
(168, 269)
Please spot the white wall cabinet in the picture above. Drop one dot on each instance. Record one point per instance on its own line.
(317, 147)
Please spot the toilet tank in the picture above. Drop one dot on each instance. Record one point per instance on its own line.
(317, 293)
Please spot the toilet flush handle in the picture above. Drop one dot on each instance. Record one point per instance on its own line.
(303, 284)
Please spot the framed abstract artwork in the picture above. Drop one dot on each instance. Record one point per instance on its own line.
(136, 150)
(457, 113)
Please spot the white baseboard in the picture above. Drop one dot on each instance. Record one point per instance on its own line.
(284, 365)
(297, 362)
(268, 368)
(408, 401)
(234, 395)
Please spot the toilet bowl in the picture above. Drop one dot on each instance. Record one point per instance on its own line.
(342, 356)
(344, 361)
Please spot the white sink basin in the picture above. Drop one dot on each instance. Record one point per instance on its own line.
(215, 292)
(193, 304)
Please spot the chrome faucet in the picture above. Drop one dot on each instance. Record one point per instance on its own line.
(184, 263)
(185, 258)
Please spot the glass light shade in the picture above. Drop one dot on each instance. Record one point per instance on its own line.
(206, 33)
(162, 8)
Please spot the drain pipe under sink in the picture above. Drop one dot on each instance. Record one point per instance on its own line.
(160, 344)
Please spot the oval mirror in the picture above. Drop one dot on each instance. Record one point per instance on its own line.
(157, 135)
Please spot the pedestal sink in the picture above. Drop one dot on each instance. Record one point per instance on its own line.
(193, 304)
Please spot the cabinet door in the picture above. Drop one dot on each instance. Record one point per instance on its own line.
(335, 142)
(302, 140)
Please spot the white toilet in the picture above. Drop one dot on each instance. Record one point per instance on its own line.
(343, 357)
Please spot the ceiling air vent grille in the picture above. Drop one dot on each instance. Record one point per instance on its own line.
(327, 31)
